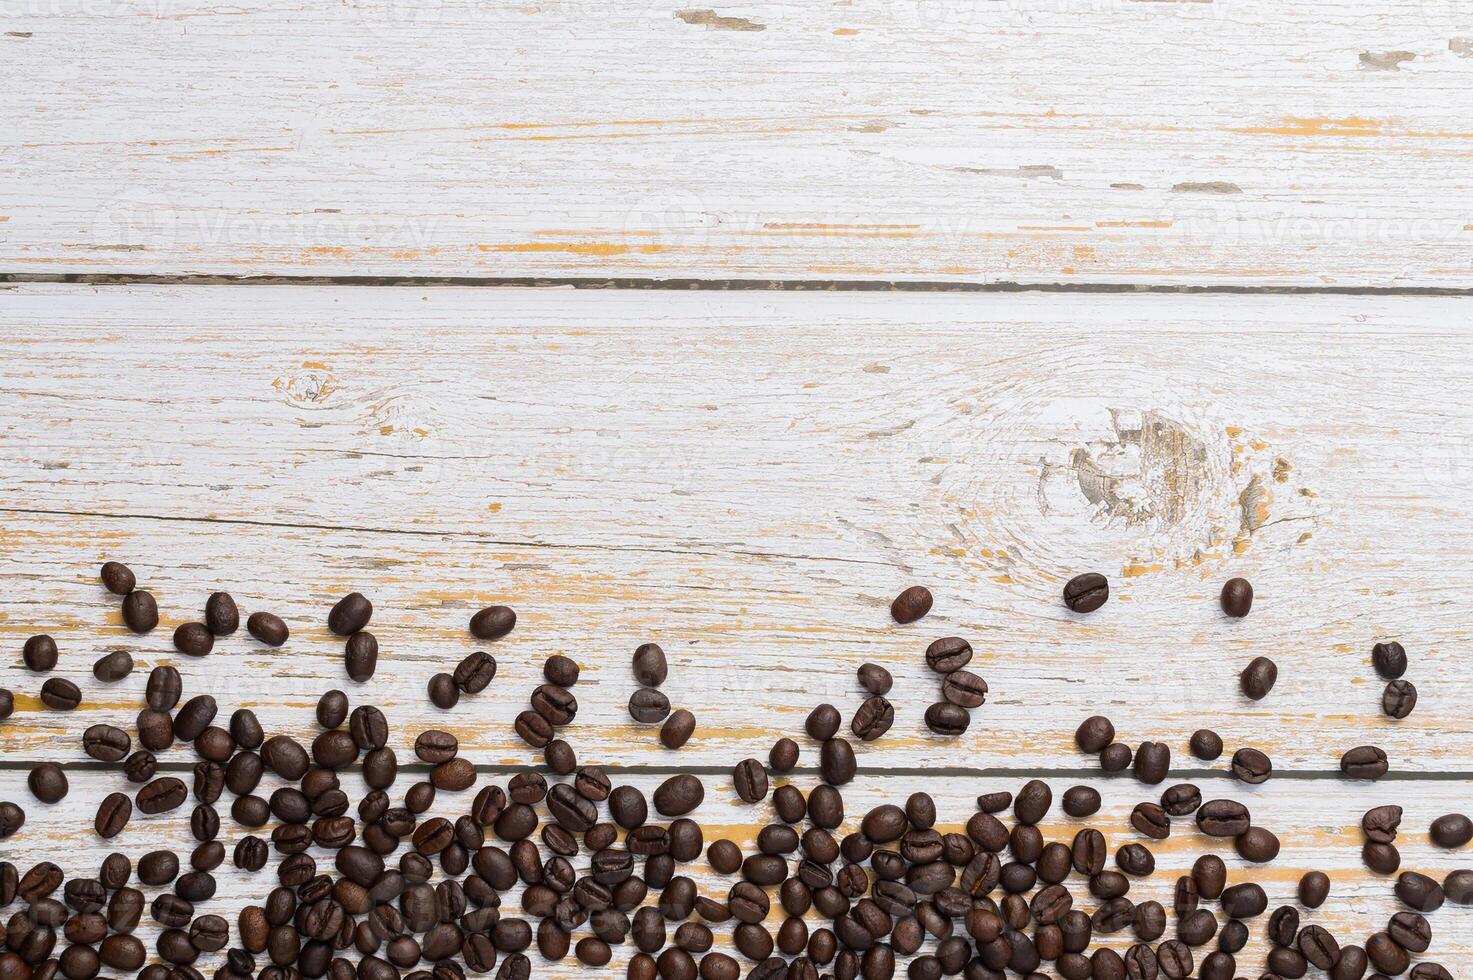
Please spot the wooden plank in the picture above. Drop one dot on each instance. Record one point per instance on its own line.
(748, 479)
(1311, 144)
(1317, 822)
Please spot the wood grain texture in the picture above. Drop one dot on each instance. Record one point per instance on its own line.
(748, 479)
(1317, 822)
(1321, 143)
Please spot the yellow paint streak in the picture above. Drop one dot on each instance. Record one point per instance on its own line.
(845, 32)
(1132, 224)
(1309, 126)
(602, 249)
(1135, 569)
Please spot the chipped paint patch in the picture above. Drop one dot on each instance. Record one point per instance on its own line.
(1461, 46)
(1206, 187)
(1384, 60)
(711, 20)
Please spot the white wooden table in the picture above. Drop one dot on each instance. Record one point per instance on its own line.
(746, 475)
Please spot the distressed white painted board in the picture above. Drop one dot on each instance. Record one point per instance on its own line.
(1225, 142)
(748, 479)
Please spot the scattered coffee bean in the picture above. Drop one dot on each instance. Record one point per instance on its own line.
(443, 692)
(1389, 659)
(60, 694)
(1364, 762)
(1314, 888)
(677, 729)
(875, 679)
(911, 605)
(1206, 744)
(493, 622)
(1237, 597)
(1081, 801)
(679, 795)
(1087, 592)
(945, 718)
(140, 611)
(875, 716)
(113, 814)
(113, 667)
(1452, 830)
(750, 780)
(48, 783)
(360, 655)
(475, 672)
(193, 639)
(222, 617)
(1419, 891)
(1094, 734)
(1399, 698)
(964, 688)
(783, 755)
(648, 706)
(118, 578)
(1252, 766)
(1258, 678)
(39, 653)
(267, 628)
(1152, 762)
(948, 654)
(1116, 757)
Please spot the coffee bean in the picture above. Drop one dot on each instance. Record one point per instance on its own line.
(39, 653)
(1258, 678)
(1314, 888)
(648, 706)
(360, 656)
(1136, 860)
(1206, 744)
(1116, 757)
(1452, 830)
(679, 795)
(162, 795)
(1386, 955)
(1351, 965)
(945, 718)
(964, 688)
(194, 717)
(1252, 766)
(1389, 659)
(1237, 597)
(47, 783)
(1430, 971)
(1244, 900)
(836, 761)
(1364, 762)
(1151, 820)
(222, 617)
(1152, 762)
(113, 667)
(1181, 799)
(140, 766)
(677, 729)
(1223, 818)
(113, 814)
(443, 692)
(1380, 823)
(556, 704)
(1081, 801)
(140, 611)
(911, 604)
(1094, 733)
(106, 743)
(1458, 887)
(193, 639)
(7, 703)
(1399, 698)
(875, 679)
(1419, 891)
(267, 628)
(948, 654)
(650, 668)
(118, 578)
(493, 622)
(1257, 844)
(60, 694)
(533, 729)
(750, 780)
(475, 672)
(1383, 859)
(1087, 592)
(350, 614)
(783, 755)
(875, 716)
(1411, 930)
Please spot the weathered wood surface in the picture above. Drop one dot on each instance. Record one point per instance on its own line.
(1311, 144)
(748, 479)
(1316, 820)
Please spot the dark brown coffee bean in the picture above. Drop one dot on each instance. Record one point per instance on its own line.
(1399, 699)
(1237, 597)
(750, 781)
(948, 654)
(1419, 891)
(1380, 823)
(1136, 860)
(873, 718)
(222, 617)
(1210, 874)
(679, 795)
(1152, 762)
(1206, 744)
(1411, 930)
(1081, 801)
(678, 729)
(1087, 592)
(434, 746)
(267, 628)
(140, 611)
(162, 795)
(1364, 762)
(1386, 955)
(1116, 757)
(1259, 677)
(911, 604)
(875, 679)
(193, 639)
(493, 622)
(48, 783)
(1257, 844)
(1175, 959)
(1094, 733)
(350, 614)
(1151, 820)
(650, 668)
(60, 694)
(106, 743)
(648, 705)
(1318, 947)
(1223, 818)
(1451, 830)
(1389, 659)
(1383, 859)
(1244, 900)
(964, 688)
(1314, 888)
(118, 578)
(533, 729)
(39, 653)
(113, 667)
(113, 814)
(836, 762)
(1252, 766)
(1181, 799)
(140, 766)
(360, 656)
(945, 718)
(443, 692)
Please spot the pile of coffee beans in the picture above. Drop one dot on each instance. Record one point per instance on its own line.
(376, 889)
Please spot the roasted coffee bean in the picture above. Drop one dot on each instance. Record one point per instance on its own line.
(194, 717)
(140, 611)
(1135, 860)
(1318, 947)
(1386, 955)
(162, 795)
(1081, 801)
(1419, 891)
(434, 746)
(360, 656)
(1252, 766)
(267, 628)
(875, 679)
(533, 729)
(193, 639)
(48, 783)
(1430, 971)
(222, 618)
(1206, 744)
(285, 757)
(163, 688)
(554, 703)
(155, 730)
(493, 622)
(1351, 965)
(750, 780)
(1032, 802)
(140, 766)
(650, 668)
(350, 614)
(1210, 874)
(1174, 959)
(1380, 823)
(368, 727)
(1451, 830)
(113, 814)
(677, 729)
(118, 578)
(1244, 900)
(1181, 799)
(873, 719)
(106, 743)
(1411, 930)
(836, 762)
(1383, 859)
(822, 722)
(1237, 597)
(39, 653)
(113, 667)
(60, 694)
(1094, 733)
(649, 706)
(1151, 820)
(1364, 762)
(1116, 757)
(1389, 659)
(1257, 844)
(679, 795)
(948, 654)
(911, 604)
(1258, 678)
(1399, 699)
(1086, 592)
(964, 688)
(1223, 818)
(7, 703)
(442, 691)
(1314, 888)
(1152, 762)
(945, 718)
